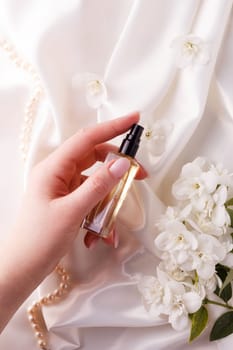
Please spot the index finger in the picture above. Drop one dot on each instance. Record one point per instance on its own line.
(76, 147)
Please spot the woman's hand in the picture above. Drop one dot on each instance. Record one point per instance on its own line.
(54, 205)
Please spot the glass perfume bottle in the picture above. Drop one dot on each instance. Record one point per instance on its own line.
(101, 219)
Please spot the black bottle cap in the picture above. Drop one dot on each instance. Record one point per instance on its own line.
(131, 142)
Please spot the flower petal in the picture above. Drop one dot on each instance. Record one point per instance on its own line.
(206, 270)
(219, 216)
(210, 181)
(179, 322)
(203, 57)
(162, 241)
(192, 301)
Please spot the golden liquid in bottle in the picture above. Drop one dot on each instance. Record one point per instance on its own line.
(101, 219)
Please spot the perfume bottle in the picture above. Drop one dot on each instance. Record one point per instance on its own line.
(101, 219)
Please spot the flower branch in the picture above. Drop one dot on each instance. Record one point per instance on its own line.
(208, 301)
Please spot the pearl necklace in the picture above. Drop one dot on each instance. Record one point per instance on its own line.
(35, 314)
(33, 103)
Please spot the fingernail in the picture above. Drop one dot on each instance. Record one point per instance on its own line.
(93, 244)
(133, 113)
(119, 167)
(90, 240)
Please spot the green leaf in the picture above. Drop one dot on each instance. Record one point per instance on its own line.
(222, 327)
(229, 202)
(199, 321)
(222, 271)
(228, 279)
(225, 293)
(230, 212)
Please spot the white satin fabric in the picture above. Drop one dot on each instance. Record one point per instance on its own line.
(127, 44)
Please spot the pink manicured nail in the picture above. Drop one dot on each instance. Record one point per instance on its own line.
(93, 244)
(119, 167)
(133, 113)
(90, 240)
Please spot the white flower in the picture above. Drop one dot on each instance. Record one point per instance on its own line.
(208, 253)
(219, 215)
(161, 295)
(178, 241)
(194, 183)
(224, 178)
(180, 304)
(152, 293)
(202, 222)
(176, 237)
(175, 272)
(172, 215)
(92, 87)
(211, 217)
(155, 135)
(190, 50)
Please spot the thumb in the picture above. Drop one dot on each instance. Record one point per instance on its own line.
(95, 188)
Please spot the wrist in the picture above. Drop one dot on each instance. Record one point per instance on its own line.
(17, 281)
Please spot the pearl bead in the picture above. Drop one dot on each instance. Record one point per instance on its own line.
(36, 327)
(63, 285)
(42, 344)
(31, 311)
(65, 278)
(51, 297)
(57, 293)
(39, 335)
(32, 319)
(62, 270)
(44, 301)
